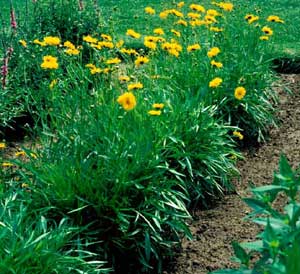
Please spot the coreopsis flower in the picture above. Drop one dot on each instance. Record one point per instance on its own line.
(23, 43)
(193, 47)
(264, 37)
(21, 153)
(210, 19)
(106, 44)
(2, 145)
(238, 134)
(164, 14)
(215, 82)
(154, 112)
(49, 62)
(251, 18)
(52, 40)
(141, 60)
(120, 43)
(226, 6)
(150, 45)
(106, 37)
(113, 61)
(124, 79)
(159, 31)
(134, 86)
(175, 32)
(149, 10)
(180, 4)
(275, 18)
(89, 39)
(216, 64)
(212, 12)
(6, 164)
(197, 22)
(69, 45)
(213, 52)
(70, 51)
(129, 51)
(176, 13)
(127, 100)
(181, 22)
(38, 42)
(267, 30)
(239, 93)
(158, 105)
(193, 15)
(133, 34)
(197, 8)
(215, 29)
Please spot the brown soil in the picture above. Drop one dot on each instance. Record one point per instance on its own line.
(216, 228)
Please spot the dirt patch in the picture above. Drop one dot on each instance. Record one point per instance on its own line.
(215, 229)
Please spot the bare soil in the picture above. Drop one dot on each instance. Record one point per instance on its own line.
(216, 228)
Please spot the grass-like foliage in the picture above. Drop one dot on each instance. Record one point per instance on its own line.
(32, 244)
(278, 244)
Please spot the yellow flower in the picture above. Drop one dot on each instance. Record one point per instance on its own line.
(69, 45)
(173, 52)
(53, 83)
(274, 18)
(180, 4)
(124, 78)
(149, 10)
(213, 52)
(38, 42)
(129, 51)
(197, 8)
(49, 62)
(33, 155)
(89, 39)
(70, 51)
(210, 19)
(177, 33)
(95, 70)
(158, 105)
(216, 64)
(23, 43)
(159, 31)
(134, 86)
(215, 29)
(52, 40)
(20, 153)
(127, 101)
(164, 14)
(193, 47)
(215, 82)
(120, 43)
(181, 22)
(253, 19)
(133, 34)
(238, 134)
(239, 93)
(141, 60)
(226, 6)
(264, 37)
(212, 12)
(106, 44)
(267, 30)
(150, 45)
(106, 37)
(154, 112)
(113, 61)
(2, 145)
(193, 15)
(7, 164)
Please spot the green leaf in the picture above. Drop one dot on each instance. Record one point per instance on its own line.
(240, 253)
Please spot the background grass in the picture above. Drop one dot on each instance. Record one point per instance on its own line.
(130, 13)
